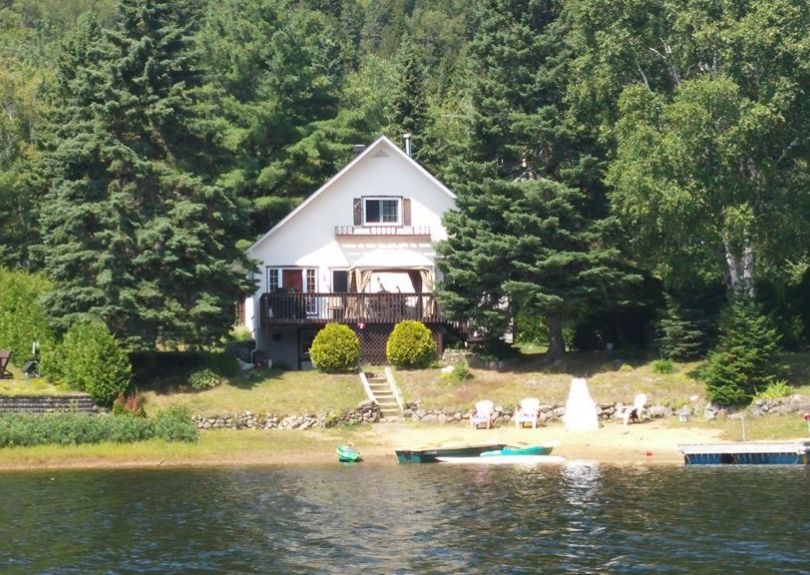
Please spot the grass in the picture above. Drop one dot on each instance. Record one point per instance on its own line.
(264, 446)
(756, 428)
(265, 391)
(18, 385)
(608, 381)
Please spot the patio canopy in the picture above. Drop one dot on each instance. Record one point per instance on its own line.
(417, 266)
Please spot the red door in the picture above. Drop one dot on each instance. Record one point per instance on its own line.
(293, 279)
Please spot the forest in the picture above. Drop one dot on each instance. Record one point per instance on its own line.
(629, 173)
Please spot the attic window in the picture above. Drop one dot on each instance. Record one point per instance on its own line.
(381, 211)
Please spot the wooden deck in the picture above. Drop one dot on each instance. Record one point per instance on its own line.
(321, 308)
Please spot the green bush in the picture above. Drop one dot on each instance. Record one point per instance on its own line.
(25, 429)
(175, 424)
(775, 390)
(461, 371)
(663, 366)
(203, 379)
(335, 348)
(92, 360)
(746, 357)
(410, 345)
(22, 317)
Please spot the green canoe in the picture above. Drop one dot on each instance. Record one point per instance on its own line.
(530, 450)
(346, 454)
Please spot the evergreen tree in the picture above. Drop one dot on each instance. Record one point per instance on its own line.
(409, 105)
(278, 65)
(524, 239)
(746, 359)
(135, 232)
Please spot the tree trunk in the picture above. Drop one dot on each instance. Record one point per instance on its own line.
(740, 268)
(556, 343)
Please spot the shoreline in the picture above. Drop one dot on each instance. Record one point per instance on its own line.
(648, 443)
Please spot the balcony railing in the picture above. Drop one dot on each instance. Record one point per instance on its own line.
(403, 231)
(302, 308)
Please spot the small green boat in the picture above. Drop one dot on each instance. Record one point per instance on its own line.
(510, 450)
(346, 454)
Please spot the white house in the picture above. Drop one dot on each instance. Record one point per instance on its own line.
(359, 251)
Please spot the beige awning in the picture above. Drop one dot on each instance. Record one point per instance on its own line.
(392, 260)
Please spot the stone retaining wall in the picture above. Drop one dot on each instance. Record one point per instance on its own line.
(366, 412)
(70, 402)
(369, 412)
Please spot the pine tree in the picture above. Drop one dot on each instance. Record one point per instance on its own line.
(524, 239)
(135, 231)
(746, 358)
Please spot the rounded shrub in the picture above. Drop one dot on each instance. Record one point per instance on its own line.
(203, 379)
(410, 345)
(335, 348)
(92, 360)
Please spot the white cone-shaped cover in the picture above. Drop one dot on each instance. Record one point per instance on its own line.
(580, 409)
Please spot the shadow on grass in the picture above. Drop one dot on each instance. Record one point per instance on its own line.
(166, 373)
(577, 364)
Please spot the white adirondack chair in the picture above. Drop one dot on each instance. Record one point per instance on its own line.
(633, 412)
(483, 414)
(527, 412)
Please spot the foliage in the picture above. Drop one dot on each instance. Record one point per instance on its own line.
(92, 360)
(203, 379)
(410, 345)
(24, 429)
(129, 404)
(685, 329)
(137, 231)
(23, 319)
(775, 390)
(746, 357)
(175, 424)
(335, 348)
(663, 366)
(222, 363)
(460, 372)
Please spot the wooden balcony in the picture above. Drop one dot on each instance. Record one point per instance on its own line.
(385, 231)
(371, 308)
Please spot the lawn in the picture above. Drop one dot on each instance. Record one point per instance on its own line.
(264, 391)
(610, 378)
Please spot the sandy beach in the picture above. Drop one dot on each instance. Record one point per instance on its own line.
(651, 442)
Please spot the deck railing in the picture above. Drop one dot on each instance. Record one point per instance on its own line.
(382, 231)
(349, 307)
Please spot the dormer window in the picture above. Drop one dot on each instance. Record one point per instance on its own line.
(382, 211)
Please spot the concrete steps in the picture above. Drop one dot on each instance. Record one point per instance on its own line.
(383, 395)
(74, 402)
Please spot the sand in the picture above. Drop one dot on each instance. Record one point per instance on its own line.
(650, 442)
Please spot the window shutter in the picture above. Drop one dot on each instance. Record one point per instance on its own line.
(358, 211)
(406, 211)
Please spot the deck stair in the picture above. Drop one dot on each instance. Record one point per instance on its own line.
(382, 388)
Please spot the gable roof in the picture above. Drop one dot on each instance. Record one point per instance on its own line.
(380, 142)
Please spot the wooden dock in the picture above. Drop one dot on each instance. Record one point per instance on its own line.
(747, 453)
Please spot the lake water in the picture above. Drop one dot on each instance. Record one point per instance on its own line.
(578, 518)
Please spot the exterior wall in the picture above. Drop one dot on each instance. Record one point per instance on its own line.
(282, 346)
(308, 239)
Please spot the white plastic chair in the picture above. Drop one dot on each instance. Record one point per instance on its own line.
(634, 412)
(483, 414)
(527, 412)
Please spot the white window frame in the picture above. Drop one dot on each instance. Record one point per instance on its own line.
(396, 199)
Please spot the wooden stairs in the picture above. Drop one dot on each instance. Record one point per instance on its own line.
(382, 388)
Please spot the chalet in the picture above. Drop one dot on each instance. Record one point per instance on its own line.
(358, 251)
